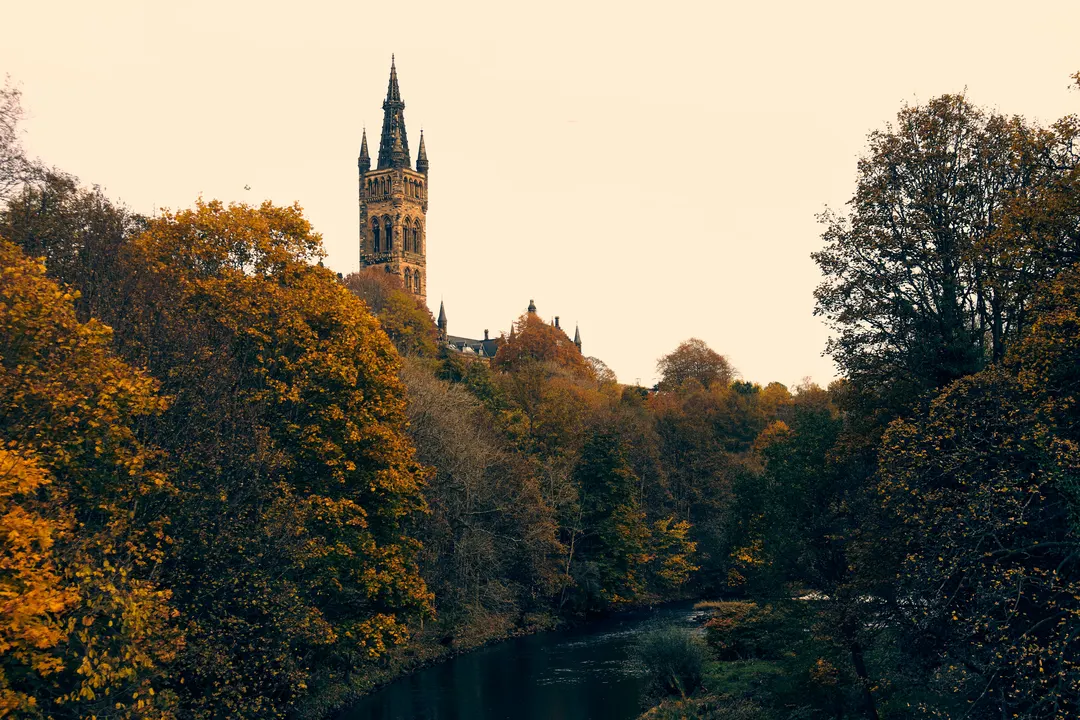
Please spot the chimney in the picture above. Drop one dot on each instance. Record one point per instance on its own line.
(556, 321)
(485, 334)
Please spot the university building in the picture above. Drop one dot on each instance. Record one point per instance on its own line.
(393, 216)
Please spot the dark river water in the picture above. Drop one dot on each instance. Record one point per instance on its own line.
(583, 674)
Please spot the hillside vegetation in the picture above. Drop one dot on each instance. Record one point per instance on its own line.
(236, 485)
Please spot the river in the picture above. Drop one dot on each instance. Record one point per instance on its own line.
(586, 673)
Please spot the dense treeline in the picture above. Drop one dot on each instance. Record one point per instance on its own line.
(233, 484)
(236, 485)
(919, 518)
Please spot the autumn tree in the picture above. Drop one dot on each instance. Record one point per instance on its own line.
(402, 315)
(534, 341)
(297, 478)
(927, 276)
(16, 169)
(490, 552)
(83, 238)
(86, 627)
(693, 362)
(608, 538)
(983, 491)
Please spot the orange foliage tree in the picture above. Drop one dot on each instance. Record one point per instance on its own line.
(403, 316)
(533, 340)
(296, 477)
(694, 362)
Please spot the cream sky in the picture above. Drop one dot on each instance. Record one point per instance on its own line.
(649, 171)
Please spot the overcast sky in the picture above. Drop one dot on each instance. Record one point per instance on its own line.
(649, 171)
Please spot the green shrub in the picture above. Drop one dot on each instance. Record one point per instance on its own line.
(672, 660)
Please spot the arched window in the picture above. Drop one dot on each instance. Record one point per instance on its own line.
(419, 238)
(375, 235)
(416, 281)
(389, 234)
(408, 279)
(416, 237)
(406, 235)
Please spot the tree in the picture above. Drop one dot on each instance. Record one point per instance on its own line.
(609, 538)
(82, 237)
(15, 169)
(489, 548)
(693, 362)
(295, 479)
(982, 490)
(924, 281)
(534, 341)
(403, 316)
(86, 627)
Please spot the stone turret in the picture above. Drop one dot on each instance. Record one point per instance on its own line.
(365, 158)
(421, 156)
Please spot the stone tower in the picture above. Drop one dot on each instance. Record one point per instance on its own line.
(394, 199)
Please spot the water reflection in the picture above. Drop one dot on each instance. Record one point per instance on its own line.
(585, 674)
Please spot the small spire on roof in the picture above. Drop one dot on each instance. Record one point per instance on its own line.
(532, 307)
(365, 156)
(421, 156)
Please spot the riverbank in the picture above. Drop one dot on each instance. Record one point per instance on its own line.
(430, 649)
(585, 672)
(426, 648)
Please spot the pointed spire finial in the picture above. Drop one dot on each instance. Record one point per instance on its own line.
(394, 144)
(365, 157)
(577, 337)
(393, 92)
(421, 155)
(442, 318)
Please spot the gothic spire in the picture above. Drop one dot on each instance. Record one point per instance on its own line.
(421, 156)
(394, 143)
(577, 337)
(365, 158)
(442, 318)
(393, 92)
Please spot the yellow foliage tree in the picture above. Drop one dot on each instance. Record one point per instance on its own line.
(85, 630)
(295, 473)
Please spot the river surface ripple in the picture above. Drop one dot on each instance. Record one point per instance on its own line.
(586, 673)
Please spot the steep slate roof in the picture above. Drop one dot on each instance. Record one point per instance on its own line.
(485, 348)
